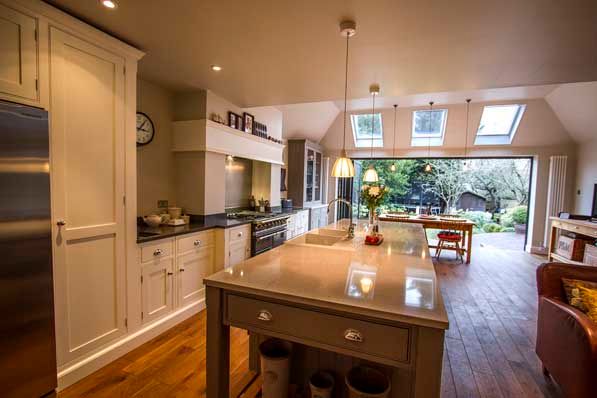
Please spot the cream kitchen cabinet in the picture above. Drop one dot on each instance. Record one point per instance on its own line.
(19, 60)
(318, 217)
(298, 224)
(172, 272)
(239, 244)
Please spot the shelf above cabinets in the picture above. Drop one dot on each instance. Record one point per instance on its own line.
(206, 135)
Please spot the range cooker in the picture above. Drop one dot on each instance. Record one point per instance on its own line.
(267, 230)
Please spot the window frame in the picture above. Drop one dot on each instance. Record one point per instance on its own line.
(366, 142)
(502, 138)
(426, 139)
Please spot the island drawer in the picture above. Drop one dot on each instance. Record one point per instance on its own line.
(352, 334)
(196, 241)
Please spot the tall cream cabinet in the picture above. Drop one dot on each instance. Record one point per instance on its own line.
(87, 81)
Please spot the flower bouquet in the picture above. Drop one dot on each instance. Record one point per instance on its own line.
(373, 196)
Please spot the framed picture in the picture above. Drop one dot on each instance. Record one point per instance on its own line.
(248, 120)
(239, 122)
(233, 120)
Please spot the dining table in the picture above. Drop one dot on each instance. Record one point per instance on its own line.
(448, 223)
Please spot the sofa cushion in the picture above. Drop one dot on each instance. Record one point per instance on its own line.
(589, 299)
(573, 294)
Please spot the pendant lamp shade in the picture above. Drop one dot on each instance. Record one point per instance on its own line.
(343, 166)
(393, 167)
(370, 175)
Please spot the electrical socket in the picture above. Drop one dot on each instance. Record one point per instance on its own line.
(162, 204)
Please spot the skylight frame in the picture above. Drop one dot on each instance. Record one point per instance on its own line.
(500, 138)
(426, 138)
(364, 141)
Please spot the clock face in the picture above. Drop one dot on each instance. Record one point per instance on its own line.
(145, 129)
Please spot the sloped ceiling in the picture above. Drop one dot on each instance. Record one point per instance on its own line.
(309, 121)
(576, 107)
(287, 52)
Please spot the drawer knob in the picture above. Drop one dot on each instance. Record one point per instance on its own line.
(240, 234)
(197, 242)
(265, 315)
(353, 335)
(157, 252)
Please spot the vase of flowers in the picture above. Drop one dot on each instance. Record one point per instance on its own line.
(373, 196)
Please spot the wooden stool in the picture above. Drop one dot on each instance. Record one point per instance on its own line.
(446, 239)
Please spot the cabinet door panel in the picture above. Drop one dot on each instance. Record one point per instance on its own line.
(18, 63)
(238, 252)
(192, 268)
(87, 143)
(157, 289)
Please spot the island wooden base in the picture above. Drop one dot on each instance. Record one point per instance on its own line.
(410, 355)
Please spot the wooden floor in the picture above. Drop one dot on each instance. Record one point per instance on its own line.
(489, 350)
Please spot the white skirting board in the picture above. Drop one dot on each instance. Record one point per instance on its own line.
(72, 373)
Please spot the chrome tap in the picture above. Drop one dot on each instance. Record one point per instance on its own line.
(350, 229)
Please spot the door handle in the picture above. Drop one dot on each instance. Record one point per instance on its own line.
(61, 223)
(157, 252)
(170, 273)
(181, 270)
(197, 242)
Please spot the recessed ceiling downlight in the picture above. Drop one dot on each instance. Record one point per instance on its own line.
(109, 4)
(216, 68)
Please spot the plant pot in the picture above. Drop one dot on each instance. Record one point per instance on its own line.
(275, 364)
(366, 382)
(520, 228)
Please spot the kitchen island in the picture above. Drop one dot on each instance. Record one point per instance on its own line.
(341, 303)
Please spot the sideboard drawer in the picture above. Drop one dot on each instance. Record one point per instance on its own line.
(360, 336)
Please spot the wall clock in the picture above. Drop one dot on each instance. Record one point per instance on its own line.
(145, 129)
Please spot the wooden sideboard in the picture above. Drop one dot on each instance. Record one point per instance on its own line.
(586, 228)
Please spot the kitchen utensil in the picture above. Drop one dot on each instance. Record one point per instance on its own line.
(153, 220)
(174, 212)
(275, 361)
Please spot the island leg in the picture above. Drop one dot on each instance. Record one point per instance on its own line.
(429, 361)
(218, 345)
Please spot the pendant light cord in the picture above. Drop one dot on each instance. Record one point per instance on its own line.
(468, 103)
(429, 136)
(394, 144)
(345, 93)
(372, 124)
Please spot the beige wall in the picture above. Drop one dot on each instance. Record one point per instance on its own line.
(586, 177)
(155, 170)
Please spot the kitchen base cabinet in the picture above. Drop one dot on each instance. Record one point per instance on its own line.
(192, 267)
(298, 224)
(318, 217)
(239, 244)
(157, 289)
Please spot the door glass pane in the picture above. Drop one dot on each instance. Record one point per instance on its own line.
(317, 177)
(310, 167)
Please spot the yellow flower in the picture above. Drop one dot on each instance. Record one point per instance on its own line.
(374, 191)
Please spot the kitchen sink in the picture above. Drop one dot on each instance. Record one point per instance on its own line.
(322, 239)
(329, 232)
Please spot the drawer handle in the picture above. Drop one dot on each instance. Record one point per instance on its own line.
(265, 315)
(181, 270)
(197, 242)
(157, 252)
(170, 273)
(353, 335)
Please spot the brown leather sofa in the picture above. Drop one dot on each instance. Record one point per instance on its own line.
(566, 337)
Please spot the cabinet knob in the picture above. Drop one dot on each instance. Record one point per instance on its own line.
(240, 234)
(157, 252)
(181, 270)
(265, 315)
(170, 273)
(197, 242)
(61, 223)
(353, 335)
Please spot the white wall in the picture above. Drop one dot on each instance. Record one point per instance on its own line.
(155, 167)
(586, 177)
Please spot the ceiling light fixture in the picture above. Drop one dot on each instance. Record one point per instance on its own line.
(109, 4)
(393, 166)
(428, 167)
(343, 166)
(371, 173)
(465, 164)
(216, 68)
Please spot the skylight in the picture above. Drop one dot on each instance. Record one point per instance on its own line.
(429, 127)
(361, 130)
(499, 124)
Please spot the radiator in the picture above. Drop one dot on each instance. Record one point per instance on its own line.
(556, 190)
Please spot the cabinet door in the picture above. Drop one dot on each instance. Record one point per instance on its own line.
(156, 291)
(238, 252)
(192, 268)
(323, 217)
(309, 174)
(317, 177)
(314, 219)
(18, 46)
(87, 146)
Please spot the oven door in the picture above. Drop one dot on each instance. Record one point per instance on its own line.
(262, 243)
(279, 238)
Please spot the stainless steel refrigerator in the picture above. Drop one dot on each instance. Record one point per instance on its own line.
(27, 337)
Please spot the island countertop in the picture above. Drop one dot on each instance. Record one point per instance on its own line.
(394, 281)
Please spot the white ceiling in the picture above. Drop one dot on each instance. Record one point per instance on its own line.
(309, 120)
(287, 52)
(576, 107)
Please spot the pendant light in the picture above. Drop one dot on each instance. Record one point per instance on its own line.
(428, 167)
(371, 173)
(343, 166)
(393, 166)
(465, 164)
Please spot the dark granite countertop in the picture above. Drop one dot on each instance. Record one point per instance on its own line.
(198, 223)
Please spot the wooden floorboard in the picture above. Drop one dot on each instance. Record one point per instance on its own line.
(489, 350)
